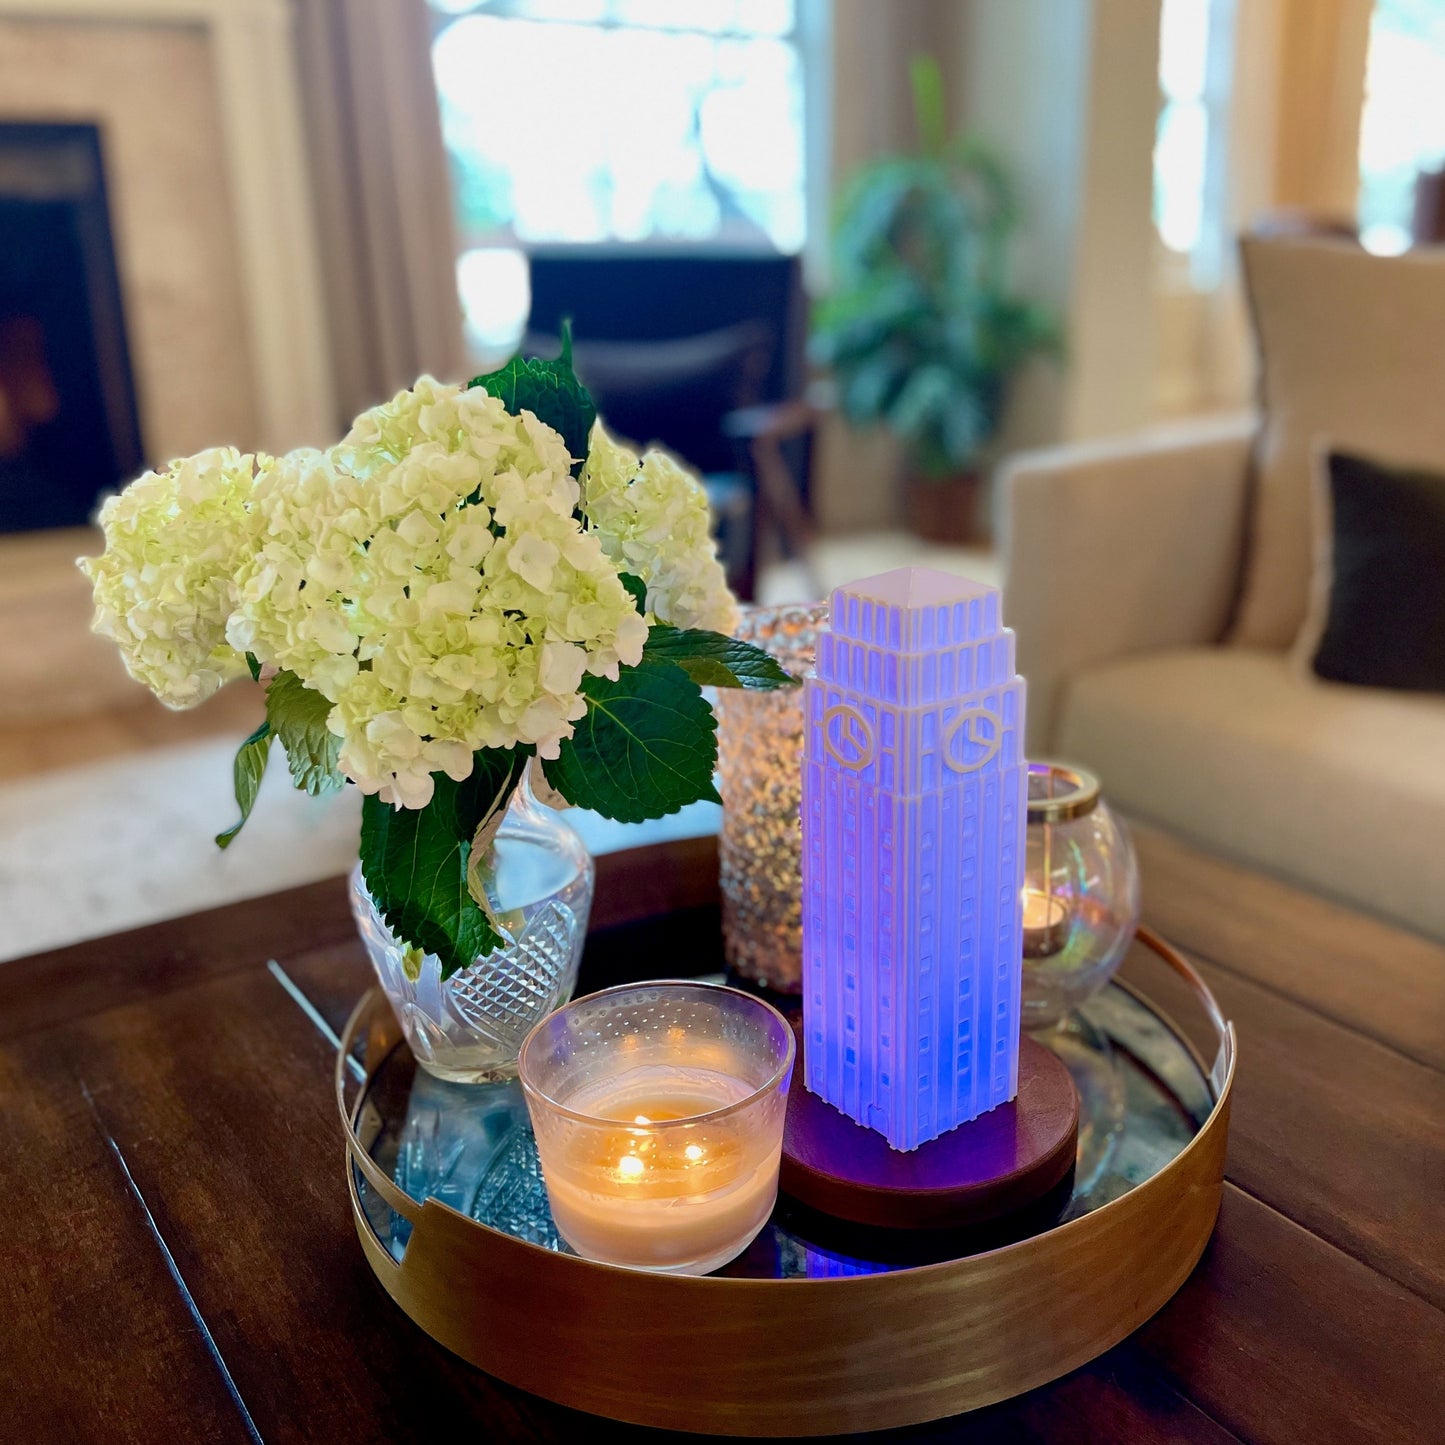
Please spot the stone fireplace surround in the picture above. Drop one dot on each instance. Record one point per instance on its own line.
(212, 221)
(206, 168)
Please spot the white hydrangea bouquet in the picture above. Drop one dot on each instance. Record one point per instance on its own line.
(474, 577)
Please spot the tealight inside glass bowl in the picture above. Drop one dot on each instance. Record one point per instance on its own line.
(658, 1110)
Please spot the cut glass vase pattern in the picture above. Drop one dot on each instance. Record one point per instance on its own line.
(469, 1028)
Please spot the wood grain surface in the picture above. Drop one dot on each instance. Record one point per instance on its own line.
(183, 1265)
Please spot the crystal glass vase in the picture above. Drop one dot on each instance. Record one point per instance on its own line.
(468, 1029)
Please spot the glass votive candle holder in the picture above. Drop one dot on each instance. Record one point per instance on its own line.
(1080, 896)
(658, 1110)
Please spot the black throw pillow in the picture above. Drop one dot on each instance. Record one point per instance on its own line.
(1385, 625)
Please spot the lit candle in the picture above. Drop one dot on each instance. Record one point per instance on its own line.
(658, 1111)
(661, 1190)
(1046, 924)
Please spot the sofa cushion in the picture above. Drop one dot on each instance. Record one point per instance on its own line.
(1340, 788)
(1349, 351)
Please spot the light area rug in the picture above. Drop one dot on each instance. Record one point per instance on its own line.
(93, 850)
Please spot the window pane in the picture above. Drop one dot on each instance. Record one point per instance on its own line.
(1179, 155)
(709, 15)
(496, 292)
(1402, 128)
(562, 142)
(578, 11)
(766, 17)
(1183, 48)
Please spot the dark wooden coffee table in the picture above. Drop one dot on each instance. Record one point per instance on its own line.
(181, 1262)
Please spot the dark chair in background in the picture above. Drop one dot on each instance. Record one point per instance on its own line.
(1428, 222)
(690, 347)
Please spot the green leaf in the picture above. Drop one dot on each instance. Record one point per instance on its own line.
(646, 748)
(712, 659)
(636, 588)
(249, 767)
(551, 391)
(414, 860)
(254, 663)
(298, 717)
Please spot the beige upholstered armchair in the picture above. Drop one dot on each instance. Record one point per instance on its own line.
(1117, 549)
(1123, 562)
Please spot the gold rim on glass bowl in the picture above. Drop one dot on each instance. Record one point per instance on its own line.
(1071, 792)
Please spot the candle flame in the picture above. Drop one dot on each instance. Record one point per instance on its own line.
(629, 1166)
(692, 1153)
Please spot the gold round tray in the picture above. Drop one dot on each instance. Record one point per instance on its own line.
(851, 1352)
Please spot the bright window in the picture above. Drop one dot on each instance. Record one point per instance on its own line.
(1402, 129)
(1181, 143)
(616, 121)
(1189, 142)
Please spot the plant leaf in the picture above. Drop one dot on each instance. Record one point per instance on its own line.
(297, 715)
(712, 659)
(253, 663)
(247, 771)
(551, 391)
(414, 861)
(921, 323)
(636, 588)
(646, 748)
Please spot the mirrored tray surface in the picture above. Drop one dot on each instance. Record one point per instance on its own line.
(1143, 1097)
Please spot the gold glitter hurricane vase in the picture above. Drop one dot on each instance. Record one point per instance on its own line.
(760, 749)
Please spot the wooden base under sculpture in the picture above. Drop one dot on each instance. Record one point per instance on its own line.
(996, 1164)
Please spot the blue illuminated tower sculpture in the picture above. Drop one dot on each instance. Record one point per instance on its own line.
(914, 809)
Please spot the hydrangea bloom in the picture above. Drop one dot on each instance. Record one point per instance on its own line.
(439, 577)
(430, 578)
(652, 517)
(163, 586)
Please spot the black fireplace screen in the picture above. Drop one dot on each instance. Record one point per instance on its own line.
(68, 425)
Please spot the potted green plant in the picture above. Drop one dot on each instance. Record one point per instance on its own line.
(921, 330)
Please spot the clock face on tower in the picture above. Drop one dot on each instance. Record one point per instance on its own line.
(972, 739)
(847, 737)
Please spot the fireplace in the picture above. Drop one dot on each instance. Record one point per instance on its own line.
(69, 430)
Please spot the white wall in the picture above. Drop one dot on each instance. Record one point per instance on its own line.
(1111, 317)
(1023, 72)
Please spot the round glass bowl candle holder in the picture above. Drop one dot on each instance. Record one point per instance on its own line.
(760, 764)
(1081, 893)
(658, 1110)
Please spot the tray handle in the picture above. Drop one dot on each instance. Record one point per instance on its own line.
(352, 1115)
(1224, 1058)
